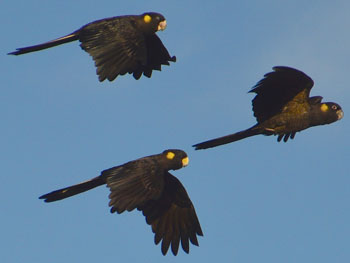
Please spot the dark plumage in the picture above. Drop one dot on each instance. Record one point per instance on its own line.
(119, 45)
(147, 185)
(283, 107)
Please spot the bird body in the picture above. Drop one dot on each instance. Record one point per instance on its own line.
(283, 107)
(118, 45)
(145, 184)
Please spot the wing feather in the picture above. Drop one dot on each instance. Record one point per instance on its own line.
(133, 184)
(172, 217)
(278, 89)
(116, 46)
(119, 47)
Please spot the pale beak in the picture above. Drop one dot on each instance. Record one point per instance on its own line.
(162, 25)
(340, 114)
(185, 161)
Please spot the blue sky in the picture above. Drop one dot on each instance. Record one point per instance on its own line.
(257, 200)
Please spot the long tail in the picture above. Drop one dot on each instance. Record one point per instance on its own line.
(68, 38)
(73, 190)
(228, 138)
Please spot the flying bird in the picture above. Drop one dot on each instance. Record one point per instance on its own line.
(119, 45)
(282, 106)
(147, 185)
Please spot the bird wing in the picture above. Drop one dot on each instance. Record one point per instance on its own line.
(157, 55)
(284, 88)
(116, 46)
(315, 100)
(172, 217)
(133, 184)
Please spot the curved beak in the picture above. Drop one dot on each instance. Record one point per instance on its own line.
(162, 25)
(185, 161)
(340, 114)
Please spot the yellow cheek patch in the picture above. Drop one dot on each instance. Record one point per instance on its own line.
(170, 155)
(147, 18)
(185, 161)
(324, 107)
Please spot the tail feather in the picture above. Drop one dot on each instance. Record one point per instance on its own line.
(228, 138)
(68, 38)
(73, 190)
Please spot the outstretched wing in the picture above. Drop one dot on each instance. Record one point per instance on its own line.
(282, 87)
(172, 217)
(116, 46)
(133, 184)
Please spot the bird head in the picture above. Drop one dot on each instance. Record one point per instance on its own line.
(175, 159)
(328, 112)
(152, 22)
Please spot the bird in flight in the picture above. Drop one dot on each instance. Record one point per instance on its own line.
(147, 185)
(118, 45)
(283, 106)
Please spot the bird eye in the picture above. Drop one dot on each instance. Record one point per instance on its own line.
(334, 107)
